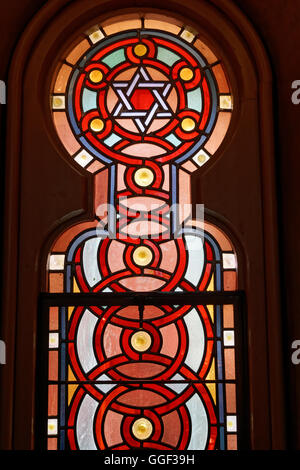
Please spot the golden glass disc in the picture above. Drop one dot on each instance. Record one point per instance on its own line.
(188, 124)
(140, 50)
(141, 340)
(186, 74)
(96, 76)
(143, 177)
(97, 125)
(142, 256)
(201, 158)
(57, 102)
(225, 102)
(142, 428)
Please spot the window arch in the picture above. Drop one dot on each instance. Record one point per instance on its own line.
(144, 97)
(238, 223)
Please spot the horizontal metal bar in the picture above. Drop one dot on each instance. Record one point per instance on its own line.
(139, 382)
(140, 298)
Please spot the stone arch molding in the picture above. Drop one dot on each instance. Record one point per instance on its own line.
(251, 78)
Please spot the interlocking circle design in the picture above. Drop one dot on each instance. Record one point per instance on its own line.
(144, 96)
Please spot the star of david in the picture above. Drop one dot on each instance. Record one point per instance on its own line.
(142, 99)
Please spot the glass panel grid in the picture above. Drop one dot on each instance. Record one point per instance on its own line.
(178, 377)
(144, 97)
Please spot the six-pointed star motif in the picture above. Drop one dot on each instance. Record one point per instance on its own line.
(155, 92)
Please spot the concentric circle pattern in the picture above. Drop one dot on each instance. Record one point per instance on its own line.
(141, 99)
(156, 95)
(141, 108)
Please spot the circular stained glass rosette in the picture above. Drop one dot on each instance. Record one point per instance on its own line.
(139, 95)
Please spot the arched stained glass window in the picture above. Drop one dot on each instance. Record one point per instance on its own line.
(142, 336)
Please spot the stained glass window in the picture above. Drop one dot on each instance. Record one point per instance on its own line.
(141, 103)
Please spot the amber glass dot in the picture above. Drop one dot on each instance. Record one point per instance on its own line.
(97, 125)
(201, 158)
(142, 428)
(142, 256)
(95, 36)
(143, 177)
(140, 50)
(188, 124)
(57, 102)
(141, 340)
(96, 76)
(186, 74)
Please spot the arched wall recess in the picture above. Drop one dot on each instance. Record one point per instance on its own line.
(50, 186)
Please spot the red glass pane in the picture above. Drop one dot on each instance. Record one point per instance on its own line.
(231, 398)
(206, 51)
(53, 318)
(52, 443)
(221, 79)
(53, 365)
(228, 316)
(64, 132)
(230, 280)
(62, 79)
(78, 51)
(219, 133)
(56, 282)
(229, 364)
(232, 442)
(52, 396)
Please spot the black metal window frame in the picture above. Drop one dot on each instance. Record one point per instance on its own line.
(235, 298)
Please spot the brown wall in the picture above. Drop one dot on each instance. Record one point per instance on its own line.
(277, 22)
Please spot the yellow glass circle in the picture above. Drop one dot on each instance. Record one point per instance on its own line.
(140, 50)
(188, 124)
(186, 74)
(141, 340)
(201, 158)
(57, 102)
(96, 76)
(142, 428)
(143, 177)
(97, 125)
(142, 256)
